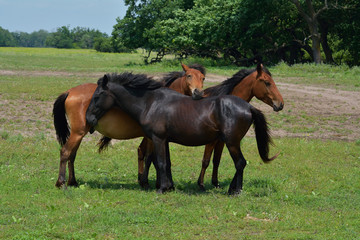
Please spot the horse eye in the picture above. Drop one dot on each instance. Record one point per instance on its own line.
(267, 84)
(203, 79)
(189, 76)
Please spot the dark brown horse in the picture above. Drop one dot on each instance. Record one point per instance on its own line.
(117, 124)
(167, 116)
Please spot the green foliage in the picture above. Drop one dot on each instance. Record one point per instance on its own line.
(34, 39)
(6, 39)
(241, 31)
(74, 38)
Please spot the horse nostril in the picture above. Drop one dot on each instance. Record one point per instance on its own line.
(278, 108)
(281, 106)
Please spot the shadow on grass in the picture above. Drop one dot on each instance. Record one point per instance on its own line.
(110, 184)
(254, 187)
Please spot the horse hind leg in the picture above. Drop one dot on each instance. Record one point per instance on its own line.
(240, 164)
(141, 158)
(205, 163)
(68, 154)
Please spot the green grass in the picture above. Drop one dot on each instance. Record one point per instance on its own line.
(311, 191)
(90, 61)
(338, 77)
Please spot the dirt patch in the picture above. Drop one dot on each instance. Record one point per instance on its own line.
(310, 111)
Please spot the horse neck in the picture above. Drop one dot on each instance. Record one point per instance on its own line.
(244, 89)
(179, 85)
(132, 101)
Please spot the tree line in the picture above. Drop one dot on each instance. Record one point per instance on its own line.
(239, 32)
(63, 37)
(243, 31)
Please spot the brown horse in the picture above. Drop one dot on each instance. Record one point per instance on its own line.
(245, 84)
(72, 105)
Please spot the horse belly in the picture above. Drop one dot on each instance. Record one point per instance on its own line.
(118, 125)
(193, 137)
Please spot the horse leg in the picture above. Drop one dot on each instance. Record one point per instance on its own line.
(141, 157)
(160, 147)
(168, 167)
(148, 148)
(216, 161)
(205, 163)
(240, 163)
(68, 154)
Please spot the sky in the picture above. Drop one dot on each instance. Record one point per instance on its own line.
(33, 15)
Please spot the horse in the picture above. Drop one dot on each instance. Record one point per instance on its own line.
(245, 84)
(72, 105)
(167, 116)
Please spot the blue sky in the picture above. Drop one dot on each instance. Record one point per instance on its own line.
(33, 15)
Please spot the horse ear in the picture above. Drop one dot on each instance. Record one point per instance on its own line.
(259, 68)
(105, 80)
(184, 67)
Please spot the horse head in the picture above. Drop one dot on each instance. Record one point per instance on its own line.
(101, 101)
(265, 89)
(194, 81)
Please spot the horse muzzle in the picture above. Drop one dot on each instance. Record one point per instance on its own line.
(91, 119)
(278, 107)
(197, 94)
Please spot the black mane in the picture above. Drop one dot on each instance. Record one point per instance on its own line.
(172, 76)
(229, 84)
(131, 80)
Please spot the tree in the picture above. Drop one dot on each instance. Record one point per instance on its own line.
(60, 39)
(6, 39)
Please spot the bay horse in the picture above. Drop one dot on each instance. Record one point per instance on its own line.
(71, 106)
(245, 84)
(167, 116)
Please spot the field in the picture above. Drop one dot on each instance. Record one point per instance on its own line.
(311, 191)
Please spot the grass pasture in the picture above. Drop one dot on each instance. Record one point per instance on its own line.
(312, 191)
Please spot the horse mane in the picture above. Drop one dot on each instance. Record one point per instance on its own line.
(127, 79)
(229, 84)
(172, 76)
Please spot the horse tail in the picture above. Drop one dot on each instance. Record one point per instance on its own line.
(60, 122)
(103, 143)
(262, 134)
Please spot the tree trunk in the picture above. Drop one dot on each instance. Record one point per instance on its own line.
(313, 24)
(324, 43)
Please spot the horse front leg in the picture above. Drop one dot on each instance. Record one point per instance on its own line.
(162, 160)
(216, 162)
(240, 164)
(205, 163)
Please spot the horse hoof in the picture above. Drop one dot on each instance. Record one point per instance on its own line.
(144, 185)
(202, 188)
(234, 192)
(216, 184)
(72, 183)
(160, 191)
(59, 184)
